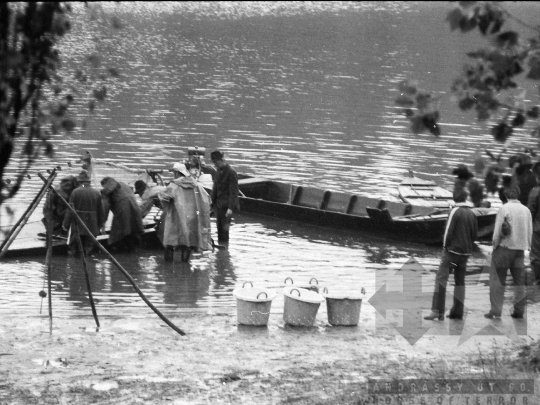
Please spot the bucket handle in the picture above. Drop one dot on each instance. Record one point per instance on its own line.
(294, 289)
(316, 281)
(325, 290)
(262, 292)
(288, 278)
(243, 285)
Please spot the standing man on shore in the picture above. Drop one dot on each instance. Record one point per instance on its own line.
(534, 207)
(459, 235)
(511, 238)
(224, 194)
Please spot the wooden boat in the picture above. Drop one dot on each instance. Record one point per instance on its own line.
(419, 222)
(37, 246)
(395, 220)
(420, 192)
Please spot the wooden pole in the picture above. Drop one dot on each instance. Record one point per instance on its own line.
(48, 260)
(111, 257)
(86, 275)
(22, 221)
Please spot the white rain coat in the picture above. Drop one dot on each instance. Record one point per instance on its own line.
(186, 215)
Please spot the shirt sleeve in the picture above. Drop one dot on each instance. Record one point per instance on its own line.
(68, 218)
(498, 224)
(233, 191)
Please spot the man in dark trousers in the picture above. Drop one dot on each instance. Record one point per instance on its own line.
(511, 238)
(86, 201)
(534, 207)
(459, 235)
(224, 194)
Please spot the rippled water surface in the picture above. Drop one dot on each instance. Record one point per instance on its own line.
(300, 92)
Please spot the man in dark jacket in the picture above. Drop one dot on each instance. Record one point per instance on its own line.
(459, 235)
(54, 209)
(127, 226)
(534, 207)
(86, 201)
(224, 194)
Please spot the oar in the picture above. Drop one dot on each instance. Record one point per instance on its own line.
(24, 218)
(111, 257)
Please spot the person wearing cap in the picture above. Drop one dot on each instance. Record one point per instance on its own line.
(534, 207)
(459, 236)
(86, 201)
(511, 238)
(127, 226)
(465, 180)
(55, 209)
(224, 194)
(149, 196)
(186, 215)
(525, 178)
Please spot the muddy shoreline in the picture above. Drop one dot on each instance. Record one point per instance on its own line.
(142, 360)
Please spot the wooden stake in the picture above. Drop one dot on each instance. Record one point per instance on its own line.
(48, 260)
(22, 220)
(118, 265)
(86, 275)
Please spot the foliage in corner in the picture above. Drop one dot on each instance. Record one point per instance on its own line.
(34, 97)
(488, 83)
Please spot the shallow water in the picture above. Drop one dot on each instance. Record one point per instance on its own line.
(300, 92)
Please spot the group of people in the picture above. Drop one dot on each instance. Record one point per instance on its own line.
(516, 230)
(186, 209)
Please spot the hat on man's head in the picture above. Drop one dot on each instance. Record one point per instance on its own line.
(180, 167)
(83, 176)
(216, 155)
(462, 172)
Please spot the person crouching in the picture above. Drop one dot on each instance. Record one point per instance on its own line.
(127, 226)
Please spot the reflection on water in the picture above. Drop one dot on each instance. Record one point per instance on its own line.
(296, 91)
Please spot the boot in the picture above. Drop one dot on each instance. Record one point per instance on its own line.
(169, 253)
(186, 253)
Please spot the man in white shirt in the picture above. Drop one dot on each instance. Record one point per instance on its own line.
(511, 237)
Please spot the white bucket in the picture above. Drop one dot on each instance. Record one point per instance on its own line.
(253, 304)
(343, 308)
(301, 306)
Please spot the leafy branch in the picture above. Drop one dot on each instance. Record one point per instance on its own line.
(34, 97)
(489, 78)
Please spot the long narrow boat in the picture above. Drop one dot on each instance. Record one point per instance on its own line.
(369, 216)
(395, 220)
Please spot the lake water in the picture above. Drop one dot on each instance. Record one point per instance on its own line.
(299, 92)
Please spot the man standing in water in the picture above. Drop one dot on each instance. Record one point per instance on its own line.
(224, 195)
(86, 201)
(459, 235)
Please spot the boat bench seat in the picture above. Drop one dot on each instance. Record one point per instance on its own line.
(253, 187)
(339, 202)
(310, 197)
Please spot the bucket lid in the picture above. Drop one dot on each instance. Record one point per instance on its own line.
(344, 295)
(254, 294)
(302, 294)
